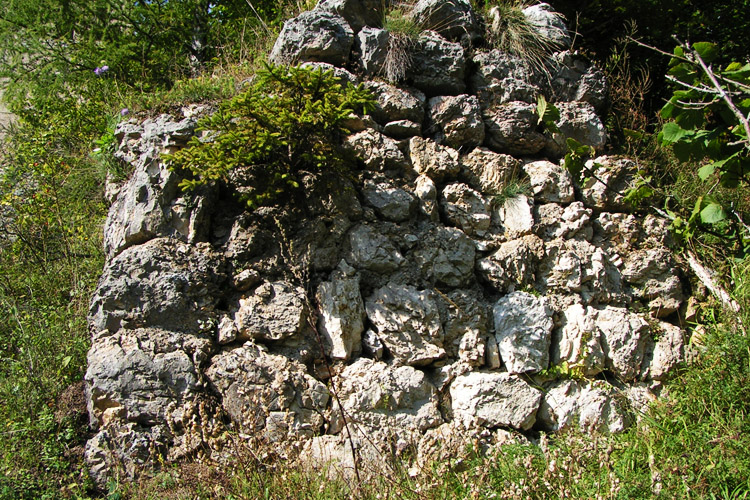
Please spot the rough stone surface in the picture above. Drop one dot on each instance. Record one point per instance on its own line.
(394, 103)
(591, 406)
(268, 393)
(275, 311)
(578, 342)
(501, 78)
(358, 13)
(613, 178)
(455, 20)
(550, 183)
(579, 121)
(516, 216)
(438, 66)
(408, 323)
(513, 264)
(446, 257)
(391, 203)
(523, 330)
(624, 336)
(435, 161)
(511, 128)
(575, 79)
(378, 152)
(487, 171)
(465, 208)
(456, 121)
(342, 314)
(494, 400)
(548, 22)
(373, 251)
(372, 44)
(315, 35)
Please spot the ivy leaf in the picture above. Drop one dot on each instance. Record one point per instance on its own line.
(713, 213)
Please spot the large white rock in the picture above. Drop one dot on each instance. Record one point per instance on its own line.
(445, 256)
(523, 329)
(592, 406)
(550, 183)
(578, 342)
(408, 323)
(342, 315)
(488, 172)
(465, 208)
(315, 35)
(435, 161)
(275, 311)
(624, 336)
(494, 400)
(513, 264)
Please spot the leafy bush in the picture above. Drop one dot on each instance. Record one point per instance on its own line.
(288, 123)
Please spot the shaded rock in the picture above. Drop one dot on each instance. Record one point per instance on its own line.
(383, 397)
(512, 264)
(358, 13)
(466, 318)
(523, 330)
(268, 393)
(492, 357)
(494, 400)
(511, 128)
(372, 45)
(373, 345)
(502, 78)
(394, 103)
(275, 311)
(390, 202)
(402, 129)
(652, 275)
(408, 323)
(162, 284)
(456, 121)
(550, 182)
(445, 256)
(592, 406)
(579, 121)
(487, 171)
(454, 19)
(578, 342)
(465, 208)
(342, 315)
(435, 161)
(378, 152)
(438, 66)
(573, 78)
(372, 250)
(426, 191)
(614, 176)
(313, 36)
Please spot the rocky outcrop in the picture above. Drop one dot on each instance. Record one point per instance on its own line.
(456, 284)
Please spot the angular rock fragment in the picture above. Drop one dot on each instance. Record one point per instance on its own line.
(456, 121)
(275, 311)
(513, 263)
(550, 183)
(592, 406)
(393, 103)
(342, 314)
(494, 400)
(408, 323)
(373, 251)
(445, 256)
(313, 36)
(378, 152)
(392, 203)
(523, 330)
(454, 20)
(465, 208)
(511, 128)
(488, 172)
(438, 66)
(358, 13)
(501, 78)
(435, 161)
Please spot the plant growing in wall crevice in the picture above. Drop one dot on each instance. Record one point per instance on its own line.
(288, 123)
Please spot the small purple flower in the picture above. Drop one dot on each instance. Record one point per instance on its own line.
(100, 71)
(124, 111)
(105, 68)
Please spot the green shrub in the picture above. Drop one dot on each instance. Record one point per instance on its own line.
(288, 123)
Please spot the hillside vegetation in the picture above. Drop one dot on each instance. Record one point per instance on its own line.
(76, 68)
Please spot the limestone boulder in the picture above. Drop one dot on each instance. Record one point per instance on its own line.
(515, 216)
(550, 183)
(378, 152)
(653, 276)
(512, 128)
(438, 66)
(433, 160)
(465, 208)
(549, 24)
(613, 177)
(513, 264)
(488, 172)
(275, 311)
(390, 202)
(402, 129)
(624, 337)
(314, 35)
(163, 283)
(578, 342)
(373, 250)
(573, 78)
(579, 121)
(445, 256)
(426, 191)
(358, 13)
(494, 400)
(395, 103)
(386, 398)
(268, 393)
(592, 406)
(372, 45)
(665, 352)
(555, 221)
(502, 78)
(523, 330)
(408, 323)
(455, 19)
(342, 315)
(456, 121)
(466, 324)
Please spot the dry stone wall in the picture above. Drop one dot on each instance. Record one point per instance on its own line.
(441, 308)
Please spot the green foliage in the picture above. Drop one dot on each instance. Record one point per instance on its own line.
(702, 123)
(288, 123)
(548, 114)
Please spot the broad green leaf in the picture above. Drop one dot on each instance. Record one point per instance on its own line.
(671, 132)
(707, 50)
(633, 134)
(707, 171)
(713, 213)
